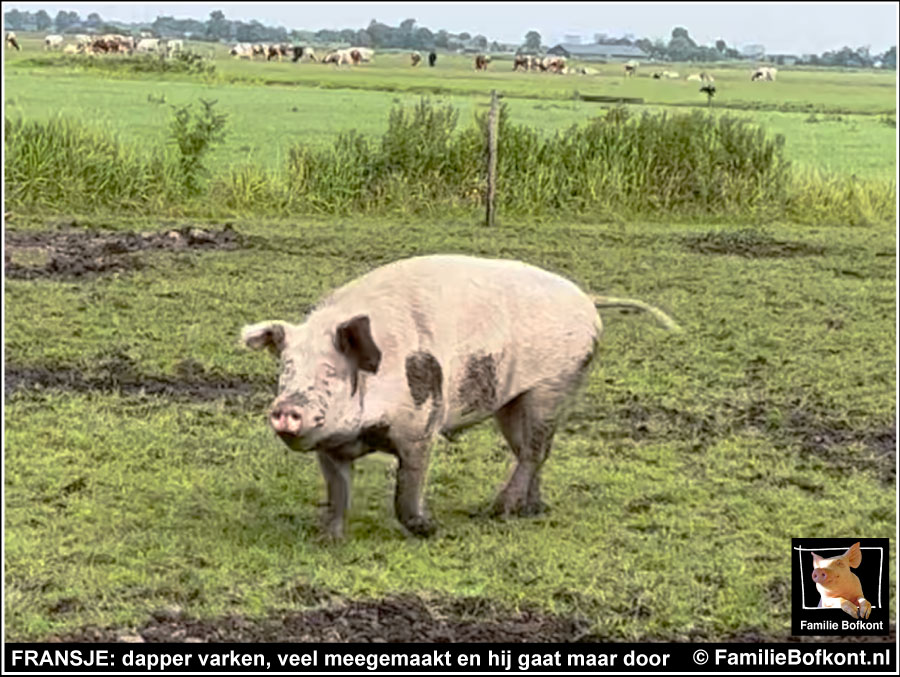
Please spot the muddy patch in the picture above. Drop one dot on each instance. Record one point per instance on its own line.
(405, 619)
(74, 254)
(192, 382)
(748, 243)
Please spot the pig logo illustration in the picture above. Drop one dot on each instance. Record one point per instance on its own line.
(838, 586)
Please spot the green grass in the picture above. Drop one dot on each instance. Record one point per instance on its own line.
(686, 465)
(286, 101)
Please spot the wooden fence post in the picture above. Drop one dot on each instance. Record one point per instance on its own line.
(492, 159)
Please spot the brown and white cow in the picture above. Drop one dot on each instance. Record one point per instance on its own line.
(764, 73)
(415, 58)
(11, 41)
(631, 69)
(53, 42)
(481, 62)
(521, 61)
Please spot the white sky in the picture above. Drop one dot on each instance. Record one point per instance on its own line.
(783, 27)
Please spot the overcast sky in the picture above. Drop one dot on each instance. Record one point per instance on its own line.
(781, 27)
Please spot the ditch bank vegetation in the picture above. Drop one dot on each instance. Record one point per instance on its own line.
(651, 166)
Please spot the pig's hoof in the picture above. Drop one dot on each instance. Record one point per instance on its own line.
(420, 526)
(864, 608)
(849, 607)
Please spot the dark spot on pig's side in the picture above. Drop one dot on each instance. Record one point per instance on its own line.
(421, 323)
(478, 389)
(378, 437)
(424, 377)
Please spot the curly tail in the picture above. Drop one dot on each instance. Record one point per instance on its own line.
(614, 302)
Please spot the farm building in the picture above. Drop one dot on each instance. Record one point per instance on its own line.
(782, 59)
(597, 52)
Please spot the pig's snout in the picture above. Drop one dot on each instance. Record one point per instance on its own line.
(286, 419)
(820, 576)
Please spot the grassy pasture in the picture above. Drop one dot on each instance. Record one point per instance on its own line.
(685, 466)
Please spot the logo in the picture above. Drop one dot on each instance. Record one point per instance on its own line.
(840, 586)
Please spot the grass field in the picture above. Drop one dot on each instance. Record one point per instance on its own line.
(141, 480)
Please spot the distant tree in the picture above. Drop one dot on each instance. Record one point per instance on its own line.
(218, 27)
(679, 32)
(422, 38)
(348, 35)
(720, 45)
(465, 37)
(380, 34)
(65, 19)
(14, 19)
(441, 39)
(42, 20)
(532, 41)
(496, 47)
(480, 42)
(600, 38)
(93, 20)
(362, 39)
(407, 25)
(889, 58)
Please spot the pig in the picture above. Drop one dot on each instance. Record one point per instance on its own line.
(838, 586)
(428, 346)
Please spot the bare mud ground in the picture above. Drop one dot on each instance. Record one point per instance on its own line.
(74, 254)
(406, 619)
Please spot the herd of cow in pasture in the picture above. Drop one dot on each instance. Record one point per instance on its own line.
(113, 43)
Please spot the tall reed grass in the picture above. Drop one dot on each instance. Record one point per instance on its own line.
(647, 166)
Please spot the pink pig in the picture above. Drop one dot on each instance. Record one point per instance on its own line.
(838, 585)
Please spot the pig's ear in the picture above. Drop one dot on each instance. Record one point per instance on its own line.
(816, 559)
(264, 335)
(354, 339)
(853, 555)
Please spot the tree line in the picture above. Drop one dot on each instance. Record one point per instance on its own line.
(408, 35)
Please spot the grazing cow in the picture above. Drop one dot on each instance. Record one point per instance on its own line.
(521, 61)
(173, 46)
(297, 52)
(242, 50)
(631, 69)
(706, 77)
(278, 51)
(428, 346)
(764, 73)
(83, 39)
(147, 45)
(259, 50)
(365, 54)
(53, 42)
(432, 59)
(693, 77)
(481, 62)
(554, 64)
(415, 58)
(11, 41)
(71, 49)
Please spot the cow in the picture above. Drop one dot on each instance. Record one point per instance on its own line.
(277, 51)
(481, 62)
(432, 59)
(693, 77)
(415, 58)
(173, 46)
(259, 50)
(71, 49)
(764, 73)
(83, 39)
(147, 45)
(365, 54)
(297, 52)
(521, 61)
(241, 50)
(554, 64)
(631, 69)
(11, 41)
(706, 77)
(428, 346)
(52, 42)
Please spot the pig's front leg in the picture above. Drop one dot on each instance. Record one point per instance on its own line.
(848, 606)
(865, 608)
(337, 473)
(409, 500)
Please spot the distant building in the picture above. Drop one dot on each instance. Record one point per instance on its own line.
(598, 52)
(572, 39)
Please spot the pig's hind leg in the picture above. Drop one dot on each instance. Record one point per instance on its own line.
(528, 423)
